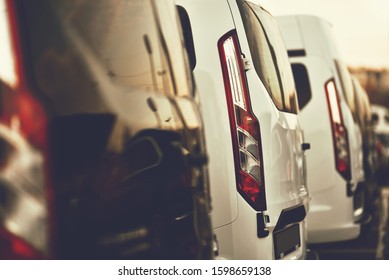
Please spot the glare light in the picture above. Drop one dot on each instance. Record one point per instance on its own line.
(7, 69)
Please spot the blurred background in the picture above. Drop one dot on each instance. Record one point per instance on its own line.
(362, 30)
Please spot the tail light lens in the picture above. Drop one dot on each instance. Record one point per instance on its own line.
(24, 203)
(12, 247)
(244, 125)
(339, 132)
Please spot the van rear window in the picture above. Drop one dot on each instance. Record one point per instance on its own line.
(269, 56)
(303, 86)
(262, 54)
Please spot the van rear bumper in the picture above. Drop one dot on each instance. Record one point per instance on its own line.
(334, 216)
(346, 232)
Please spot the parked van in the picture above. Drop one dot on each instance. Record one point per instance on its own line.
(364, 120)
(370, 160)
(252, 127)
(380, 122)
(327, 104)
(380, 118)
(102, 153)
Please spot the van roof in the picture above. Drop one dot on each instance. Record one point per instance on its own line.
(310, 33)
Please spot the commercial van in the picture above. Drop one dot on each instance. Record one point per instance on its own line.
(370, 160)
(364, 120)
(102, 153)
(380, 122)
(254, 138)
(327, 106)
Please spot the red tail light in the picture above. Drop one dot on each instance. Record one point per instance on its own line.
(12, 247)
(24, 203)
(339, 132)
(379, 148)
(244, 125)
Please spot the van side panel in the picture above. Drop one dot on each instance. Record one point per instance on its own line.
(210, 86)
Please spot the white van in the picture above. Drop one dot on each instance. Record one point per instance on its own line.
(370, 156)
(380, 119)
(100, 134)
(380, 122)
(253, 133)
(326, 100)
(364, 119)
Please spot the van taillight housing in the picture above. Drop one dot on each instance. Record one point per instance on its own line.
(244, 125)
(339, 132)
(25, 231)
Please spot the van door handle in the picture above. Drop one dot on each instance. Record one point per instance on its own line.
(305, 146)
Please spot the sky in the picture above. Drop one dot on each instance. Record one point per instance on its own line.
(361, 26)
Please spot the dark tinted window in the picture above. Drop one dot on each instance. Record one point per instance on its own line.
(188, 36)
(374, 118)
(270, 57)
(303, 86)
(263, 54)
